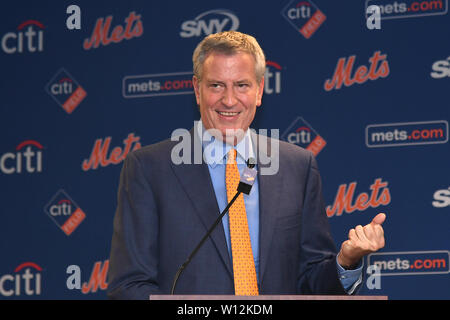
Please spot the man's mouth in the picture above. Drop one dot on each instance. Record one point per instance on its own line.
(227, 113)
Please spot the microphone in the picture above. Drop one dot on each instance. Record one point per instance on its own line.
(245, 185)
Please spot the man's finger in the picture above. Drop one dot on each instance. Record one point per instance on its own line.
(379, 219)
(360, 233)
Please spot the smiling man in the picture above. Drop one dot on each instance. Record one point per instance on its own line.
(276, 240)
(228, 84)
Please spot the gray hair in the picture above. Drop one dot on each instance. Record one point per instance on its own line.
(229, 43)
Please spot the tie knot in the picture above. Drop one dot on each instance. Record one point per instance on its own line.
(232, 156)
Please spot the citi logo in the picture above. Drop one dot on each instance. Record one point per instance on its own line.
(345, 198)
(301, 133)
(272, 78)
(99, 153)
(343, 73)
(441, 69)
(64, 212)
(28, 38)
(27, 158)
(303, 16)
(301, 10)
(102, 36)
(209, 22)
(26, 280)
(65, 90)
(441, 198)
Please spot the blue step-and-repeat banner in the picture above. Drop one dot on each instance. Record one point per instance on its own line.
(370, 98)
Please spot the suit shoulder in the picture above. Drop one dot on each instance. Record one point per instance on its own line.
(294, 150)
(153, 152)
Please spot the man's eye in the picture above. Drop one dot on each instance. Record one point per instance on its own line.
(243, 85)
(215, 85)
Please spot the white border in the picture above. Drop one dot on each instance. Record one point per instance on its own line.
(406, 253)
(153, 94)
(404, 124)
(410, 15)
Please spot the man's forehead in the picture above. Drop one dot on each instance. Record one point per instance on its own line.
(217, 55)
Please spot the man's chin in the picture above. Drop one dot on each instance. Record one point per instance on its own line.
(229, 136)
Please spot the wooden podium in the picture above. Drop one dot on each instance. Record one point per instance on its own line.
(264, 297)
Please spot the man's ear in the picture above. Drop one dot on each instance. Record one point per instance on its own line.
(260, 92)
(196, 85)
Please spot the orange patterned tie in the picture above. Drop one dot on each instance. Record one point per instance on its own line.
(245, 283)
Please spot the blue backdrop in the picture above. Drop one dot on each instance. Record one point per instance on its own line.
(372, 104)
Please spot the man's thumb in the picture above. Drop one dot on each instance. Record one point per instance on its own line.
(379, 218)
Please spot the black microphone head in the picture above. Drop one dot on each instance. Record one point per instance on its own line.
(251, 162)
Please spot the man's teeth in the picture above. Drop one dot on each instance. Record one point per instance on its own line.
(228, 113)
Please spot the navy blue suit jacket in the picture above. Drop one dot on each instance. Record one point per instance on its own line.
(165, 209)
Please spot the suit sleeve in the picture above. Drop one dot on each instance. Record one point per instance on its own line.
(134, 247)
(318, 270)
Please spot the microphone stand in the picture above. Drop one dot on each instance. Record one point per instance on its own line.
(244, 186)
(211, 229)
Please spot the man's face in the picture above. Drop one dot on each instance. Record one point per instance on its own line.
(228, 93)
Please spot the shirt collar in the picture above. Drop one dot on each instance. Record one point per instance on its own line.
(215, 151)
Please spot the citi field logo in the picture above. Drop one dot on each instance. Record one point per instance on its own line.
(301, 133)
(343, 73)
(209, 22)
(272, 78)
(101, 35)
(65, 90)
(303, 16)
(411, 262)
(26, 280)
(64, 212)
(29, 37)
(27, 158)
(346, 201)
(100, 152)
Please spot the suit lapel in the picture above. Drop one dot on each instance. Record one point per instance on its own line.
(196, 182)
(269, 194)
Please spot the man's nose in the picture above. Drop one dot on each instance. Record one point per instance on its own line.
(229, 98)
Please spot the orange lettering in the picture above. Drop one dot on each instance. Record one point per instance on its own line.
(98, 278)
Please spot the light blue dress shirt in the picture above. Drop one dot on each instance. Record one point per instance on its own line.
(215, 155)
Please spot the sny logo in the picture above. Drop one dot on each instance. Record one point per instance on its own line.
(66, 91)
(24, 41)
(441, 69)
(302, 134)
(133, 29)
(304, 16)
(21, 281)
(24, 159)
(441, 198)
(209, 22)
(66, 214)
